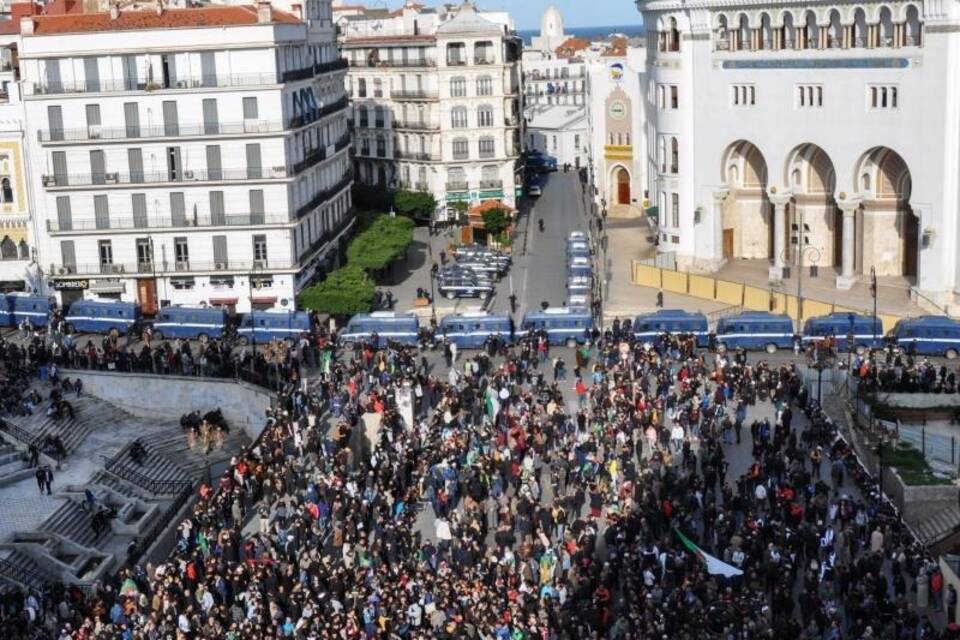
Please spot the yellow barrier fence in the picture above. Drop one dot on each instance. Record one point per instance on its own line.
(738, 294)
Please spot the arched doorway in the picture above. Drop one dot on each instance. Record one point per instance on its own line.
(813, 220)
(890, 230)
(746, 211)
(622, 180)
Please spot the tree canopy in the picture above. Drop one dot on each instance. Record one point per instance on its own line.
(415, 204)
(496, 221)
(345, 292)
(386, 239)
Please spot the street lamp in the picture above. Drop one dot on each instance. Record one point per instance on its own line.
(873, 293)
(813, 255)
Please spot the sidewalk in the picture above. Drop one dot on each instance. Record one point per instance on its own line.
(631, 239)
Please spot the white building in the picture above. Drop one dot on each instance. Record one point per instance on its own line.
(559, 131)
(187, 155)
(617, 113)
(838, 120)
(435, 100)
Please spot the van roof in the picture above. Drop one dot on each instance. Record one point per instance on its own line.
(942, 321)
(672, 313)
(558, 311)
(758, 316)
(386, 315)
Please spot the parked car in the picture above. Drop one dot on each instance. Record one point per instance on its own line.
(463, 285)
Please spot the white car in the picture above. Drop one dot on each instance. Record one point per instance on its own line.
(535, 191)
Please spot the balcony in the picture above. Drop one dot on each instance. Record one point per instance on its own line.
(487, 154)
(327, 67)
(488, 185)
(461, 155)
(161, 177)
(143, 84)
(456, 62)
(303, 120)
(458, 186)
(416, 126)
(388, 64)
(414, 95)
(85, 134)
(417, 156)
(137, 223)
(177, 267)
(481, 60)
(325, 195)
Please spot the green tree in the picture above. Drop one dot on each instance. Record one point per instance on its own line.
(386, 239)
(418, 205)
(345, 292)
(496, 221)
(371, 198)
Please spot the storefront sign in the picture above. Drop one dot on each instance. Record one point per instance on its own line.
(71, 285)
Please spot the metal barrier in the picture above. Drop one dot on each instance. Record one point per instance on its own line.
(145, 541)
(17, 433)
(22, 575)
(117, 467)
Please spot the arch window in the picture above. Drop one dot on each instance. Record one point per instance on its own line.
(485, 116)
(489, 176)
(8, 249)
(766, 33)
(457, 176)
(913, 28)
(743, 34)
(6, 190)
(886, 28)
(669, 38)
(23, 250)
(674, 155)
(835, 31)
(788, 34)
(458, 87)
(458, 117)
(487, 147)
(810, 31)
(662, 153)
(859, 28)
(484, 86)
(461, 149)
(722, 41)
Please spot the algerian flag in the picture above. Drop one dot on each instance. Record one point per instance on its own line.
(491, 404)
(715, 566)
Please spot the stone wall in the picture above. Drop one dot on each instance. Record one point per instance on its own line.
(917, 502)
(166, 397)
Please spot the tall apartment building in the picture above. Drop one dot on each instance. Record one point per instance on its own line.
(435, 100)
(187, 155)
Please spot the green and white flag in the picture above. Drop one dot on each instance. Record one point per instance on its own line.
(715, 566)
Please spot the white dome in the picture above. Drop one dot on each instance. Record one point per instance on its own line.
(551, 25)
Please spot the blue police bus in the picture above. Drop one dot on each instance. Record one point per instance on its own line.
(472, 330)
(867, 332)
(190, 323)
(564, 325)
(928, 336)
(264, 326)
(23, 306)
(650, 326)
(113, 317)
(755, 330)
(388, 326)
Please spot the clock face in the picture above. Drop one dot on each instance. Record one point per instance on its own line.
(618, 110)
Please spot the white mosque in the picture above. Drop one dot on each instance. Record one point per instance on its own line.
(544, 46)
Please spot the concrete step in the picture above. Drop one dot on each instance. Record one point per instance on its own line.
(119, 485)
(72, 522)
(31, 576)
(939, 525)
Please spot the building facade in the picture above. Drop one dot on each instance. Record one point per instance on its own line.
(828, 127)
(435, 101)
(194, 156)
(617, 115)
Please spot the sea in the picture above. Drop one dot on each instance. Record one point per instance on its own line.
(587, 33)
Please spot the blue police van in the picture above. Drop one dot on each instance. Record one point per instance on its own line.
(112, 317)
(867, 332)
(264, 326)
(472, 330)
(23, 306)
(755, 330)
(387, 325)
(190, 323)
(564, 325)
(928, 336)
(650, 326)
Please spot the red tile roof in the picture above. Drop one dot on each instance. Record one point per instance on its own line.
(571, 47)
(617, 48)
(210, 16)
(379, 39)
(18, 10)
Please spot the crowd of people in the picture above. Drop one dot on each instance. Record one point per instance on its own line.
(904, 373)
(502, 499)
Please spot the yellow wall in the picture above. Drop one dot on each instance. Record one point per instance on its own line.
(675, 281)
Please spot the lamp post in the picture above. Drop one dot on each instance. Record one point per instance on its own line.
(813, 255)
(873, 293)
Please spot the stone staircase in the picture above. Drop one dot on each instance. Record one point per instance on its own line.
(938, 526)
(13, 466)
(624, 211)
(89, 414)
(16, 567)
(72, 521)
(156, 474)
(172, 444)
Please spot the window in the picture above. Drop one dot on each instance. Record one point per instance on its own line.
(742, 95)
(675, 209)
(674, 156)
(260, 248)
(484, 86)
(105, 249)
(483, 53)
(378, 117)
(461, 149)
(488, 147)
(250, 109)
(458, 87)
(576, 142)
(485, 116)
(183, 284)
(456, 54)
(181, 253)
(458, 117)
(144, 255)
(882, 96)
(674, 96)
(377, 88)
(362, 88)
(809, 96)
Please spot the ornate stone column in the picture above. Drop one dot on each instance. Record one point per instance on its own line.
(847, 278)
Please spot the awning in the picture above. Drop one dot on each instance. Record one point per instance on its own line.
(223, 302)
(107, 286)
(264, 300)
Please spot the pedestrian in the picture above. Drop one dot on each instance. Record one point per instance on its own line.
(41, 479)
(48, 478)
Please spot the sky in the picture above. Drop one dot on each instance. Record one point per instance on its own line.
(576, 13)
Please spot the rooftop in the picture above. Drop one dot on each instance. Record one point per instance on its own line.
(209, 16)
